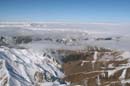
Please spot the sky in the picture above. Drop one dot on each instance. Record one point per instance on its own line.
(65, 10)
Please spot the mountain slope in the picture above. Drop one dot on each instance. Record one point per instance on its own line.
(98, 67)
(28, 67)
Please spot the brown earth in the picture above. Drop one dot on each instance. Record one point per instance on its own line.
(89, 74)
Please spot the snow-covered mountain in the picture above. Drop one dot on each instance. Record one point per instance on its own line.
(28, 67)
(61, 54)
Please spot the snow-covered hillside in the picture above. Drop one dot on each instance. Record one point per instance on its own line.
(28, 67)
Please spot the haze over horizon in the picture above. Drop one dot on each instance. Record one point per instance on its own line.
(65, 10)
